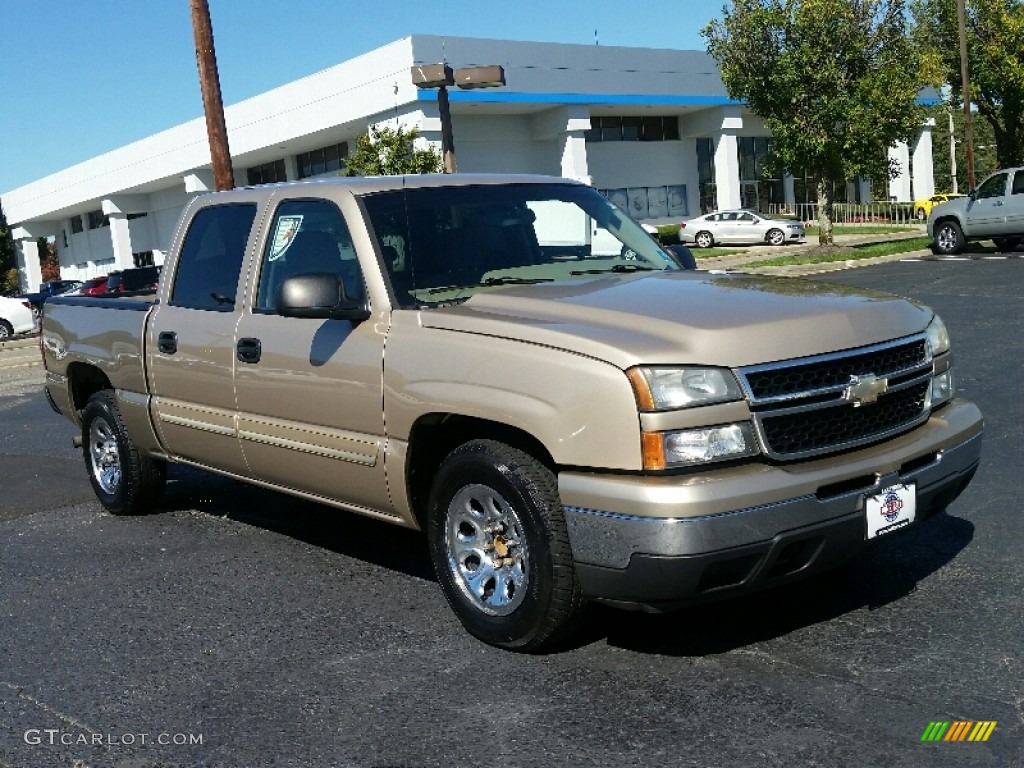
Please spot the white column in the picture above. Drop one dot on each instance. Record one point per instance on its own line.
(899, 187)
(121, 237)
(30, 275)
(199, 181)
(865, 190)
(291, 168)
(727, 170)
(921, 162)
(788, 192)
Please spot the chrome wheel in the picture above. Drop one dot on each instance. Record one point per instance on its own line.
(486, 550)
(6, 331)
(776, 237)
(948, 238)
(106, 456)
(704, 240)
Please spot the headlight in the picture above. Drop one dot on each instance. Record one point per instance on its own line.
(938, 338)
(663, 450)
(660, 389)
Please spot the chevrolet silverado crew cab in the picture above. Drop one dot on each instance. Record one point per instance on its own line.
(512, 365)
(994, 211)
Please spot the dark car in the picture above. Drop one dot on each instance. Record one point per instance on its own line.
(47, 289)
(130, 280)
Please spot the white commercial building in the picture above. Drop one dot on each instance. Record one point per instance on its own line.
(654, 130)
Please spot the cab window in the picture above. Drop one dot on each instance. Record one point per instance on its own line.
(307, 236)
(206, 276)
(993, 187)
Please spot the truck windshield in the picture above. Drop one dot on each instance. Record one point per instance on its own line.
(443, 244)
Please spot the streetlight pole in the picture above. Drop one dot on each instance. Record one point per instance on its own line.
(441, 76)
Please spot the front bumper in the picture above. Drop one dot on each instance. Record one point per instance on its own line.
(661, 542)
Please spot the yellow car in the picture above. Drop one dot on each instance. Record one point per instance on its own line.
(924, 206)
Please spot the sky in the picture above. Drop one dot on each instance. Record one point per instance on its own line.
(83, 77)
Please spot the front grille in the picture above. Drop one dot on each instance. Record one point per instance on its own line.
(822, 429)
(834, 371)
(801, 407)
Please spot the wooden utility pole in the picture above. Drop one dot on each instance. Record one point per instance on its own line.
(213, 105)
(965, 78)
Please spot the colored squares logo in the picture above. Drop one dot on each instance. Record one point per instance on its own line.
(958, 730)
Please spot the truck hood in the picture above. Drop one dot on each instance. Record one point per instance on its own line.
(685, 318)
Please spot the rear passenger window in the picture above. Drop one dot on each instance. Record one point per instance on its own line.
(206, 276)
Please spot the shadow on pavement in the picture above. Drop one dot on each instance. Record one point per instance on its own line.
(881, 574)
(347, 533)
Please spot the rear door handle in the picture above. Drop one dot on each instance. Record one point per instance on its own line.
(248, 350)
(167, 342)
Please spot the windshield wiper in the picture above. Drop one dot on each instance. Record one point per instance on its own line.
(615, 268)
(492, 281)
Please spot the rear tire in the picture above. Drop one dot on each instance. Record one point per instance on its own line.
(500, 547)
(949, 238)
(125, 482)
(921, 215)
(1006, 244)
(703, 240)
(6, 330)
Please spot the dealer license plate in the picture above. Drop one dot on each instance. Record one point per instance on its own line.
(892, 509)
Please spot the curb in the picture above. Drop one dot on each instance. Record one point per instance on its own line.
(20, 342)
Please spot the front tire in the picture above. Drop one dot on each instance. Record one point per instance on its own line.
(949, 238)
(704, 240)
(775, 237)
(500, 547)
(125, 482)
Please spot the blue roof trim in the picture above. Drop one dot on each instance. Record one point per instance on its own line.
(514, 97)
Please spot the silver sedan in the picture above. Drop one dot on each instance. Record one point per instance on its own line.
(739, 227)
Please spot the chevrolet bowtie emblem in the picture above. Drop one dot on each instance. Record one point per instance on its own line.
(865, 389)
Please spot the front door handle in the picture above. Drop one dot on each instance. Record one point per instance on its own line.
(248, 350)
(167, 342)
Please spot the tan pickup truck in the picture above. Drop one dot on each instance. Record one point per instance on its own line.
(512, 365)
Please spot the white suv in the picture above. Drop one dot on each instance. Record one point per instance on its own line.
(15, 317)
(994, 211)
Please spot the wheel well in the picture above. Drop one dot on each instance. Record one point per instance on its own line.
(943, 220)
(436, 435)
(85, 381)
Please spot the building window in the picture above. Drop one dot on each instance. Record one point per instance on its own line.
(706, 175)
(76, 224)
(137, 216)
(64, 235)
(632, 128)
(760, 190)
(268, 173)
(324, 160)
(143, 259)
(97, 220)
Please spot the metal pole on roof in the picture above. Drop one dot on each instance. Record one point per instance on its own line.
(213, 105)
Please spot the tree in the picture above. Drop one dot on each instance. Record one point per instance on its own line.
(8, 257)
(49, 263)
(386, 151)
(995, 52)
(835, 81)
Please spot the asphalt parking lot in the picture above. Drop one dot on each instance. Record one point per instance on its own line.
(239, 627)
